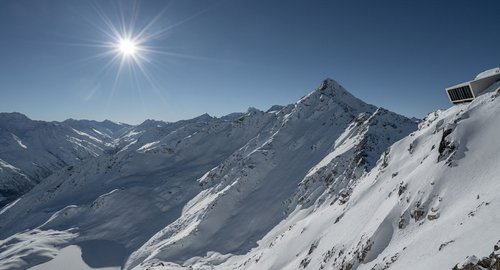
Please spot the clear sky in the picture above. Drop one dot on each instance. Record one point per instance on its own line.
(226, 55)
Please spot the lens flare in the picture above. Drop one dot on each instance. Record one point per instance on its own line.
(127, 47)
(132, 46)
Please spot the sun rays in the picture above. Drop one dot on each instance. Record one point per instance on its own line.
(131, 47)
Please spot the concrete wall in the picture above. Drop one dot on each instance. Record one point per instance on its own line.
(480, 85)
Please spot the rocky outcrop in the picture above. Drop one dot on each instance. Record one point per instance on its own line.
(492, 262)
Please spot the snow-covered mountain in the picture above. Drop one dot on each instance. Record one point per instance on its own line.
(328, 182)
(107, 131)
(251, 191)
(430, 202)
(32, 150)
(128, 196)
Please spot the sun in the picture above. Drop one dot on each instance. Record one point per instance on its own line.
(130, 45)
(127, 47)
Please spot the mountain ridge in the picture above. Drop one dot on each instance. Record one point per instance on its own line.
(327, 182)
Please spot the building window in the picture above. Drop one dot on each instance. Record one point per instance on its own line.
(461, 93)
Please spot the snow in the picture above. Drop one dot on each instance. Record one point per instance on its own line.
(87, 135)
(5, 208)
(38, 149)
(374, 209)
(12, 169)
(101, 133)
(19, 141)
(126, 147)
(109, 193)
(81, 144)
(70, 255)
(148, 146)
(7, 166)
(328, 182)
(469, 260)
(342, 145)
(267, 169)
(63, 211)
(373, 212)
(487, 73)
(24, 249)
(133, 133)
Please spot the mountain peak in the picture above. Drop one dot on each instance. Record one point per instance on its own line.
(328, 82)
(329, 85)
(16, 121)
(151, 123)
(253, 110)
(330, 92)
(203, 118)
(14, 116)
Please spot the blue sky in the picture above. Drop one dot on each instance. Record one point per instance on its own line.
(227, 55)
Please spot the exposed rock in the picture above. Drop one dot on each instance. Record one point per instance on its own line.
(492, 262)
(443, 245)
(418, 212)
(446, 147)
(402, 188)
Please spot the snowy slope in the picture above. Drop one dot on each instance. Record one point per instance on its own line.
(248, 194)
(106, 131)
(431, 202)
(127, 197)
(32, 150)
(173, 191)
(328, 182)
